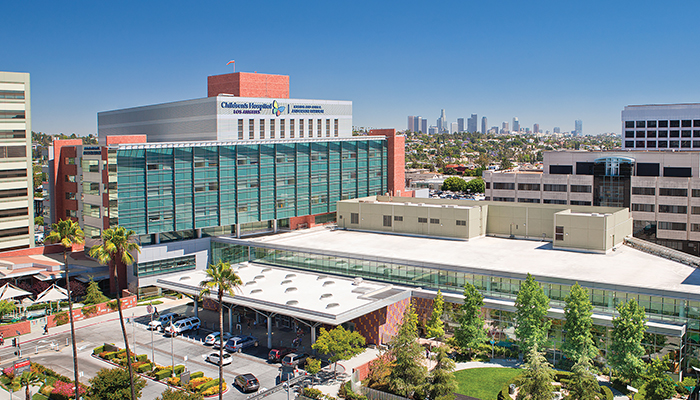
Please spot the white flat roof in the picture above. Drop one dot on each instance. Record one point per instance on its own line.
(306, 295)
(625, 269)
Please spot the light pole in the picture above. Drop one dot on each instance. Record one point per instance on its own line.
(172, 354)
(286, 388)
(153, 351)
(133, 332)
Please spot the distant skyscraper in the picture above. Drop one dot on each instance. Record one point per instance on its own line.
(516, 125)
(442, 122)
(411, 123)
(433, 130)
(453, 127)
(578, 130)
(417, 124)
(505, 129)
(556, 130)
(424, 125)
(484, 124)
(460, 124)
(471, 123)
(536, 128)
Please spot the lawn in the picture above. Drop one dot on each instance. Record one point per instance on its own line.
(484, 383)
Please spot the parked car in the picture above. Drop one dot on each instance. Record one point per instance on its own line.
(182, 326)
(238, 343)
(164, 319)
(213, 338)
(214, 358)
(295, 360)
(276, 355)
(247, 382)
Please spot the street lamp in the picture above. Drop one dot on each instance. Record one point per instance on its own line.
(285, 385)
(172, 353)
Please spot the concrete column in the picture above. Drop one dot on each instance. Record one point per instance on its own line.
(238, 231)
(269, 331)
(157, 238)
(230, 319)
(199, 233)
(274, 225)
(196, 306)
(313, 337)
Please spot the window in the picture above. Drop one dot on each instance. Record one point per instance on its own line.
(663, 144)
(580, 188)
(488, 185)
(434, 221)
(686, 123)
(12, 193)
(678, 172)
(69, 178)
(671, 226)
(13, 134)
(675, 124)
(10, 114)
(648, 169)
(14, 212)
(251, 129)
(669, 209)
(240, 129)
(673, 192)
(525, 200)
(651, 124)
(644, 191)
(328, 128)
(639, 144)
(506, 199)
(91, 210)
(503, 186)
(529, 186)
(387, 220)
(695, 210)
(460, 222)
(584, 168)
(335, 131)
(262, 129)
(272, 129)
(663, 134)
(14, 232)
(13, 151)
(695, 227)
(354, 218)
(651, 134)
(165, 266)
(651, 144)
(561, 169)
(643, 207)
(629, 124)
(686, 133)
(12, 94)
(301, 128)
(629, 134)
(282, 129)
(422, 220)
(579, 203)
(398, 218)
(92, 188)
(559, 233)
(663, 124)
(71, 213)
(640, 134)
(641, 124)
(553, 201)
(319, 125)
(292, 131)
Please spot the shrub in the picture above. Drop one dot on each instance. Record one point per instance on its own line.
(89, 311)
(9, 372)
(607, 393)
(503, 394)
(108, 355)
(195, 383)
(312, 393)
(175, 381)
(46, 390)
(142, 357)
(208, 384)
(214, 390)
(60, 318)
(112, 305)
(179, 368)
(64, 391)
(559, 375)
(196, 375)
(145, 367)
(98, 350)
(680, 389)
(164, 373)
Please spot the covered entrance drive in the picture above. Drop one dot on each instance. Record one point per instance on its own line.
(305, 297)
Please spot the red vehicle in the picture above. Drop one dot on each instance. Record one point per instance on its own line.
(276, 355)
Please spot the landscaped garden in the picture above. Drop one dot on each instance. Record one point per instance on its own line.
(484, 383)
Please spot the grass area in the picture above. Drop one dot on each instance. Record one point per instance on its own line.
(484, 383)
(39, 396)
(147, 302)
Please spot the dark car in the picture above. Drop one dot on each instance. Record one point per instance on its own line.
(247, 382)
(276, 355)
(295, 360)
(238, 343)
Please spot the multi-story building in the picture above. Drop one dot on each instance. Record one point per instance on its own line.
(16, 177)
(417, 124)
(460, 124)
(471, 123)
(661, 189)
(423, 125)
(484, 124)
(179, 173)
(536, 128)
(411, 123)
(578, 128)
(442, 122)
(661, 126)
(516, 125)
(454, 127)
(505, 128)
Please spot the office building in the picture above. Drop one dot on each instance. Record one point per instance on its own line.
(179, 173)
(516, 125)
(471, 123)
(415, 124)
(454, 127)
(411, 124)
(504, 128)
(460, 124)
(578, 128)
(661, 126)
(556, 129)
(661, 189)
(484, 124)
(16, 173)
(423, 125)
(536, 128)
(442, 122)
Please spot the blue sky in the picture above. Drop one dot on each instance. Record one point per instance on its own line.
(546, 62)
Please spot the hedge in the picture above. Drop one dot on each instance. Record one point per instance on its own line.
(110, 355)
(98, 350)
(179, 368)
(197, 374)
(162, 374)
(144, 368)
(213, 390)
(142, 357)
(559, 375)
(207, 385)
(607, 393)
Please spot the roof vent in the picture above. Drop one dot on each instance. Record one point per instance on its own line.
(250, 283)
(259, 277)
(268, 269)
(256, 291)
(357, 281)
(326, 295)
(290, 289)
(328, 283)
(183, 278)
(244, 265)
(321, 277)
(292, 302)
(290, 276)
(332, 305)
(285, 282)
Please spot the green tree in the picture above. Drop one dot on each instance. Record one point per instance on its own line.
(626, 348)
(471, 332)
(583, 384)
(408, 373)
(93, 294)
(476, 185)
(221, 277)
(27, 379)
(506, 164)
(483, 160)
(537, 378)
(172, 394)
(435, 326)
(39, 220)
(379, 370)
(659, 385)
(531, 315)
(67, 232)
(117, 246)
(454, 184)
(339, 344)
(578, 313)
(115, 384)
(6, 307)
(313, 366)
(443, 383)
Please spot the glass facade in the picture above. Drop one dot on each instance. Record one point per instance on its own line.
(167, 188)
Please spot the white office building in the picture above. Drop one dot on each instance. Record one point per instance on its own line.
(661, 126)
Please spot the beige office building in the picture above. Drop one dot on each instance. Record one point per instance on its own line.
(16, 188)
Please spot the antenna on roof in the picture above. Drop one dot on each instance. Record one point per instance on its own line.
(234, 65)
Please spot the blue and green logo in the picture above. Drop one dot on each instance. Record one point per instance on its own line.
(277, 109)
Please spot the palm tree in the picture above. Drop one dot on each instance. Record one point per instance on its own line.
(117, 245)
(221, 277)
(68, 232)
(28, 378)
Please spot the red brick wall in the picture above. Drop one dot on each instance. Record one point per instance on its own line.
(62, 150)
(48, 249)
(397, 159)
(381, 325)
(305, 221)
(244, 84)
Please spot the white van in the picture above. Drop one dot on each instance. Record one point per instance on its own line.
(182, 326)
(163, 320)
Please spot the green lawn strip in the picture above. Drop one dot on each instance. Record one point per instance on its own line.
(484, 383)
(39, 396)
(147, 302)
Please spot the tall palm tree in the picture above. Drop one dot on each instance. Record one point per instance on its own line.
(117, 245)
(27, 379)
(221, 277)
(68, 232)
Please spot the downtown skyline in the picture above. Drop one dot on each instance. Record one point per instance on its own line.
(559, 62)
